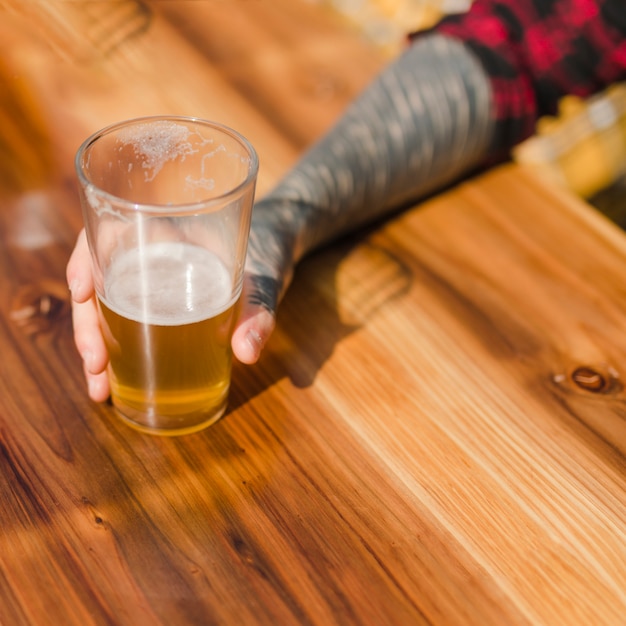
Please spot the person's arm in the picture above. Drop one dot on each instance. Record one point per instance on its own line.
(424, 122)
(463, 94)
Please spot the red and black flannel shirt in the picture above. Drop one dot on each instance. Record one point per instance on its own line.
(536, 51)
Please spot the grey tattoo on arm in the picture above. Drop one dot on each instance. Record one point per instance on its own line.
(420, 125)
(270, 260)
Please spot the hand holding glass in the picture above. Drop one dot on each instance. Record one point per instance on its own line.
(167, 204)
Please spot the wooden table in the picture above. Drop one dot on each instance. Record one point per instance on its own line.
(436, 433)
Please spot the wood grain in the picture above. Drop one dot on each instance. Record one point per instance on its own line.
(417, 444)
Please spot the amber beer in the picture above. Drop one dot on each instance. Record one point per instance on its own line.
(167, 315)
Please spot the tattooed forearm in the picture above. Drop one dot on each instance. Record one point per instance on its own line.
(270, 260)
(422, 123)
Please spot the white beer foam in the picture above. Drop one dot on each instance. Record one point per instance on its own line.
(157, 143)
(168, 284)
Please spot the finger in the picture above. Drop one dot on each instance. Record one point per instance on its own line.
(78, 271)
(255, 326)
(97, 385)
(257, 318)
(88, 336)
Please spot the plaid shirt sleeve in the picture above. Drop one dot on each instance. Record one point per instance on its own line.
(536, 51)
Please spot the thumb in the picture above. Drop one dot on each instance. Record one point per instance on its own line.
(257, 318)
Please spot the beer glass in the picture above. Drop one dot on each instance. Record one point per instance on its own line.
(167, 203)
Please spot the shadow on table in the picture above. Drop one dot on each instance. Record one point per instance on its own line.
(334, 293)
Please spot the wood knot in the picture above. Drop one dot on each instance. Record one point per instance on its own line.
(36, 307)
(589, 379)
(600, 379)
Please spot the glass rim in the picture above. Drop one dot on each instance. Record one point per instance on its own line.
(186, 207)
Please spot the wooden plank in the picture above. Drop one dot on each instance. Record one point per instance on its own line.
(298, 64)
(413, 447)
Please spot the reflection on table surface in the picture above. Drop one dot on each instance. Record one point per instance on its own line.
(435, 434)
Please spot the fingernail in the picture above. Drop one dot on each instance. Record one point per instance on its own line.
(255, 341)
